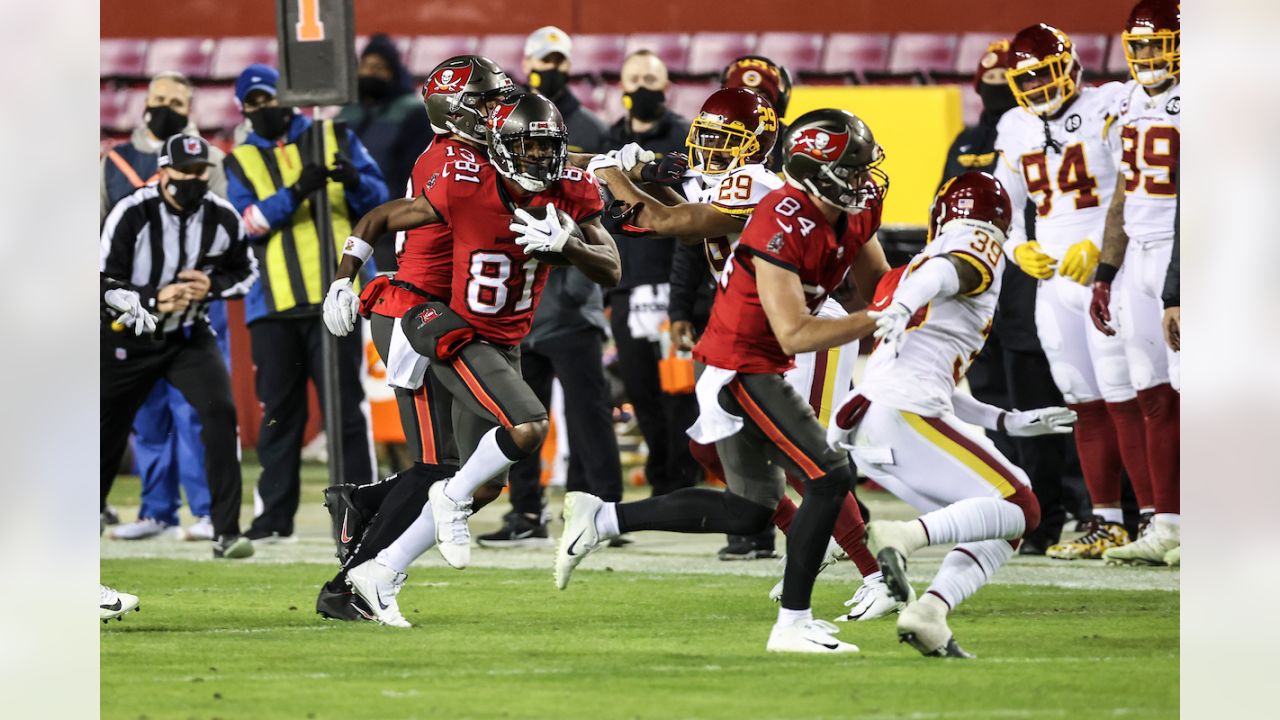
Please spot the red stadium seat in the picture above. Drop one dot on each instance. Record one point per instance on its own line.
(430, 50)
(673, 48)
(610, 99)
(122, 58)
(507, 51)
(1092, 50)
(214, 109)
(121, 110)
(598, 54)
(970, 51)
(855, 54)
(797, 52)
(923, 53)
(234, 54)
(687, 98)
(189, 56)
(1116, 64)
(709, 53)
(402, 43)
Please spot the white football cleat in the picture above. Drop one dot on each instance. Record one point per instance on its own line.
(1161, 538)
(1173, 558)
(807, 636)
(580, 538)
(834, 555)
(378, 586)
(143, 529)
(202, 529)
(873, 600)
(453, 533)
(923, 624)
(113, 604)
(891, 541)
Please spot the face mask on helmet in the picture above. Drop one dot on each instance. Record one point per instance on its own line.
(1043, 88)
(533, 162)
(715, 147)
(851, 190)
(470, 116)
(1152, 57)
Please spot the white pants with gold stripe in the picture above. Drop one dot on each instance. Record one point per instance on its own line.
(823, 378)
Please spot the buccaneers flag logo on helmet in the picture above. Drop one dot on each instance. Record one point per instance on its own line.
(820, 144)
(449, 80)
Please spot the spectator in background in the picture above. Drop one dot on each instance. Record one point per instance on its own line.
(391, 121)
(639, 303)
(567, 338)
(167, 449)
(270, 180)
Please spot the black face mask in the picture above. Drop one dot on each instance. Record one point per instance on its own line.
(996, 99)
(187, 193)
(272, 121)
(163, 121)
(373, 88)
(645, 104)
(548, 83)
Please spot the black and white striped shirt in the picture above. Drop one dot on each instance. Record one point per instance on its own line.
(145, 244)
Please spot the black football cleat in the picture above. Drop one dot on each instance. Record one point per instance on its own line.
(337, 602)
(232, 547)
(894, 566)
(348, 521)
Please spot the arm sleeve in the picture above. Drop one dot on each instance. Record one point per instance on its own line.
(937, 276)
(238, 269)
(1172, 281)
(260, 216)
(975, 412)
(372, 190)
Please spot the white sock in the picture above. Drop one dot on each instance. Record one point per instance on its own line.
(1168, 518)
(485, 464)
(1111, 515)
(974, 519)
(967, 568)
(874, 577)
(607, 521)
(1147, 511)
(415, 540)
(791, 617)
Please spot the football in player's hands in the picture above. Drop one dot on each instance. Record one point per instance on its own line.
(538, 214)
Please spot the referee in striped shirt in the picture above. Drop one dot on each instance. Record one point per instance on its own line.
(168, 250)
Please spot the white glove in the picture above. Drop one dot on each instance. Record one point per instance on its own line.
(838, 438)
(129, 304)
(341, 308)
(632, 154)
(891, 325)
(605, 161)
(1045, 421)
(545, 235)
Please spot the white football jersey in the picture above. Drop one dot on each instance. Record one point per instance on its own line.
(1146, 135)
(1070, 180)
(735, 193)
(943, 337)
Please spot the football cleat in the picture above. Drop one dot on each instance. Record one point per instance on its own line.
(873, 600)
(201, 529)
(453, 534)
(346, 517)
(891, 541)
(518, 530)
(807, 636)
(378, 586)
(113, 604)
(232, 547)
(143, 529)
(1173, 558)
(337, 602)
(923, 625)
(270, 537)
(1150, 549)
(580, 538)
(749, 547)
(1099, 536)
(834, 555)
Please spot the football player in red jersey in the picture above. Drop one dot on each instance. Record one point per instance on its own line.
(802, 241)
(508, 219)
(459, 94)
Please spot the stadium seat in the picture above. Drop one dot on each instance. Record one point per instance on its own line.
(1092, 50)
(507, 51)
(610, 99)
(214, 108)
(673, 48)
(797, 52)
(121, 110)
(1116, 65)
(232, 55)
(590, 95)
(855, 54)
(429, 51)
(709, 53)
(598, 54)
(402, 43)
(189, 56)
(686, 98)
(921, 55)
(122, 58)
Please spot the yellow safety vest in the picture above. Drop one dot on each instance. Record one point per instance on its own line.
(289, 262)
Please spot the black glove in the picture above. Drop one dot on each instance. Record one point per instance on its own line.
(311, 180)
(345, 172)
(626, 215)
(668, 170)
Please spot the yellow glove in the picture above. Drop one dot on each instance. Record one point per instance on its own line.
(1033, 261)
(1080, 261)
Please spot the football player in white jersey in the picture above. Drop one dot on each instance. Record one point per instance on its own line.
(728, 143)
(1054, 152)
(1139, 234)
(901, 424)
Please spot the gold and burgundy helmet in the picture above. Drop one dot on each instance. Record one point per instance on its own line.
(759, 73)
(993, 66)
(735, 127)
(974, 196)
(1152, 40)
(1044, 72)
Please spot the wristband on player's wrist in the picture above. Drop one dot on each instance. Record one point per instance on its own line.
(1000, 421)
(1106, 273)
(357, 248)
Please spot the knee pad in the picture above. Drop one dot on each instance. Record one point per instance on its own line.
(1113, 378)
(531, 432)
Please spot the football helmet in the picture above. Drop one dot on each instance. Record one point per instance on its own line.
(734, 127)
(459, 93)
(1151, 41)
(759, 73)
(993, 64)
(975, 196)
(832, 154)
(1044, 72)
(528, 141)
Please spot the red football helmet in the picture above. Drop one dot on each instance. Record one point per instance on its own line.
(735, 127)
(994, 65)
(972, 196)
(759, 73)
(1044, 72)
(1152, 39)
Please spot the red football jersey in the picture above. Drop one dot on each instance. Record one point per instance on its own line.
(425, 253)
(496, 285)
(788, 230)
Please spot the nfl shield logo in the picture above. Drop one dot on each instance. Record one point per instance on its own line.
(121, 354)
(191, 145)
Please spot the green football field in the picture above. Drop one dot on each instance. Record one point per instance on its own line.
(656, 630)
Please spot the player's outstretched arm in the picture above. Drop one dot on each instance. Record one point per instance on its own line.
(797, 331)
(669, 216)
(869, 266)
(593, 251)
(389, 217)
